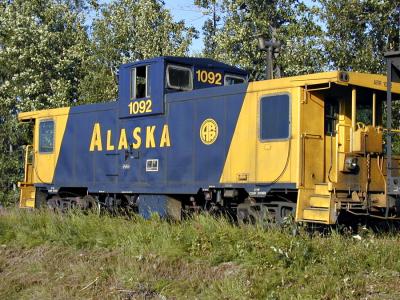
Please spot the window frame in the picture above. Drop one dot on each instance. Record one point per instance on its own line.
(133, 83)
(335, 103)
(289, 117)
(54, 136)
(169, 86)
(245, 79)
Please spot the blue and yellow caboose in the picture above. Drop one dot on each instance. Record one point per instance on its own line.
(192, 134)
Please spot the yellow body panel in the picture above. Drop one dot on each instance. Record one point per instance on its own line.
(27, 196)
(316, 214)
(310, 158)
(44, 164)
(316, 159)
(320, 201)
(251, 160)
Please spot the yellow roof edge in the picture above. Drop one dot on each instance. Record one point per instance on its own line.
(296, 81)
(372, 81)
(26, 116)
(45, 113)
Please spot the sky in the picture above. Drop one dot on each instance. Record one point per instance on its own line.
(192, 15)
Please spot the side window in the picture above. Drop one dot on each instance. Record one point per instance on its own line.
(364, 112)
(234, 79)
(274, 117)
(139, 82)
(46, 136)
(179, 78)
(331, 116)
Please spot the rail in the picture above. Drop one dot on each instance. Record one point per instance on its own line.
(27, 164)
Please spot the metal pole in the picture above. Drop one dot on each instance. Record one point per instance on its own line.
(269, 63)
(353, 109)
(374, 109)
(389, 121)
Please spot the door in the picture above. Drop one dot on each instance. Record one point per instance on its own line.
(312, 152)
(274, 137)
(331, 120)
(44, 151)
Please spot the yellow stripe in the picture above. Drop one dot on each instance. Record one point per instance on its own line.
(45, 163)
(250, 160)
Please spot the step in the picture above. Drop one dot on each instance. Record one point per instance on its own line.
(322, 189)
(27, 196)
(320, 201)
(316, 214)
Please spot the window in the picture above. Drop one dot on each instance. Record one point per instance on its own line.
(364, 112)
(139, 82)
(331, 116)
(274, 117)
(46, 136)
(179, 78)
(234, 79)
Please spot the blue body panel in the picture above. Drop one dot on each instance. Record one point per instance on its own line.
(156, 83)
(185, 163)
(184, 167)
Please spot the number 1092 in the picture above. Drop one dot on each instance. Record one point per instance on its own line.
(140, 107)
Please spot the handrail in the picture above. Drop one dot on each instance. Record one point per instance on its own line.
(26, 162)
(338, 125)
(392, 130)
(311, 136)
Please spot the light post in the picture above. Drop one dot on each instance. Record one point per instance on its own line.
(272, 48)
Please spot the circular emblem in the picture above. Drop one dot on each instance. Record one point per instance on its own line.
(209, 131)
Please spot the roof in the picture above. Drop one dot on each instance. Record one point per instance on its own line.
(371, 81)
(197, 61)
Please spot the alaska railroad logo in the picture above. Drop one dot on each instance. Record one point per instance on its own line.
(209, 131)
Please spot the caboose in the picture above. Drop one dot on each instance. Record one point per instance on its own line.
(192, 134)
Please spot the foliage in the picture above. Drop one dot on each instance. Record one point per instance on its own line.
(288, 21)
(359, 32)
(49, 58)
(325, 35)
(86, 256)
(42, 47)
(126, 31)
(213, 9)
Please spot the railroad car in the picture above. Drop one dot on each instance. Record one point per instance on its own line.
(192, 134)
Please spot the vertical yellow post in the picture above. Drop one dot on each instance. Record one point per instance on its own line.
(353, 109)
(374, 109)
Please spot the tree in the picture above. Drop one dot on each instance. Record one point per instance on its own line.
(288, 21)
(213, 9)
(130, 30)
(359, 32)
(43, 45)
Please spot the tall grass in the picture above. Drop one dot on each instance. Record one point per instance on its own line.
(88, 256)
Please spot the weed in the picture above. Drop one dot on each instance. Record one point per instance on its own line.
(49, 255)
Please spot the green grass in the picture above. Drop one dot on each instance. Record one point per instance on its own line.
(46, 256)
